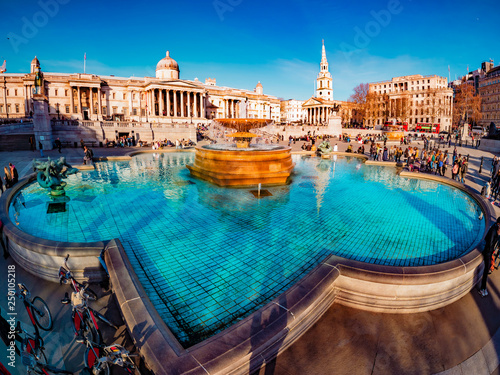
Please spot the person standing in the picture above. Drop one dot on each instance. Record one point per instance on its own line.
(32, 143)
(88, 155)
(491, 243)
(40, 146)
(58, 144)
(7, 178)
(13, 173)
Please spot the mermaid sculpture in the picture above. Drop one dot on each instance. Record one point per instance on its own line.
(51, 172)
(324, 148)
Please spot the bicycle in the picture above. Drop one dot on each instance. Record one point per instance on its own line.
(66, 275)
(84, 317)
(99, 358)
(33, 354)
(37, 309)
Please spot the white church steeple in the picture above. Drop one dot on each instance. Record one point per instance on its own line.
(324, 86)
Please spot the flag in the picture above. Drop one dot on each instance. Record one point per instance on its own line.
(85, 56)
(3, 68)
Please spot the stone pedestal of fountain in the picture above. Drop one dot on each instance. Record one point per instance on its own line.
(242, 164)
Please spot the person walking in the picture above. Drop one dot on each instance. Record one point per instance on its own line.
(463, 170)
(40, 146)
(491, 243)
(58, 144)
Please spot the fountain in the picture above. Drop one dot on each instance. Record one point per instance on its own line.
(241, 163)
(51, 172)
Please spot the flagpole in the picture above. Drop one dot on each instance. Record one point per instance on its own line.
(84, 61)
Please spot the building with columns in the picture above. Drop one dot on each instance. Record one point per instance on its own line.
(164, 98)
(414, 99)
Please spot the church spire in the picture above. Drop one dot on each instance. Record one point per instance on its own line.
(324, 87)
(324, 62)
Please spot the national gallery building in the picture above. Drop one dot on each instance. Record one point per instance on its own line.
(164, 98)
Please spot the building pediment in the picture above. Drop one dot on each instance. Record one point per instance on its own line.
(311, 102)
(174, 84)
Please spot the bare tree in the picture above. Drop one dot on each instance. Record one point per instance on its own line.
(359, 98)
(467, 105)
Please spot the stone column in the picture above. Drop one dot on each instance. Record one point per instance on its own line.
(72, 100)
(167, 93)
(202, 105)
(189, 110)
(130, 104)
(99, 93)
(79, 109)
(41, 122)
(175, 103)
(182, 104)
(161, 103)
(91, 98)
(195, 104)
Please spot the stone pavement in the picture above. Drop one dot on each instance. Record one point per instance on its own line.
(461, 338)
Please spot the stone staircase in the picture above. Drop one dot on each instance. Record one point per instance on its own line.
(15, 142)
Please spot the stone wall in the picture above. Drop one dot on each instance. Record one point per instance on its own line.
(491, 145)
(71, 131)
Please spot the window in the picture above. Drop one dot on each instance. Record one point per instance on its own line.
(55, 92)
(15, 92)
(65, 92)
(7, 92)
(104, 110)
(17, 108)
(114, 95)
(75, 109)
(8, 108)
(1, 108)
(134, 111)
(124, 96)
(115, 109)
(67, 107)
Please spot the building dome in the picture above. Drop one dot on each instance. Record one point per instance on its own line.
(35, 64)
(167, 68)
(259, 89)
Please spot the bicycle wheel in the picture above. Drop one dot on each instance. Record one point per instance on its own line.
(42, 314)
(93, 330)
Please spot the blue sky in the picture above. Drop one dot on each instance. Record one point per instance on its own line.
(241, 42)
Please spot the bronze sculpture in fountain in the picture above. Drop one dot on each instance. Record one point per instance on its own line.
(51, 172)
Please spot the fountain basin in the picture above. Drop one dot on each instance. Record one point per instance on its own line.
(230, 166)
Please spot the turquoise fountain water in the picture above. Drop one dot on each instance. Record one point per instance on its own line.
(209, 256)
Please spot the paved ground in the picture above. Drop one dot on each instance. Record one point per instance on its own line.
(460, 338)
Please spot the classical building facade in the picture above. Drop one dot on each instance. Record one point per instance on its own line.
(292, 111)
(164, 98)
(414, 99)
(489, 90)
